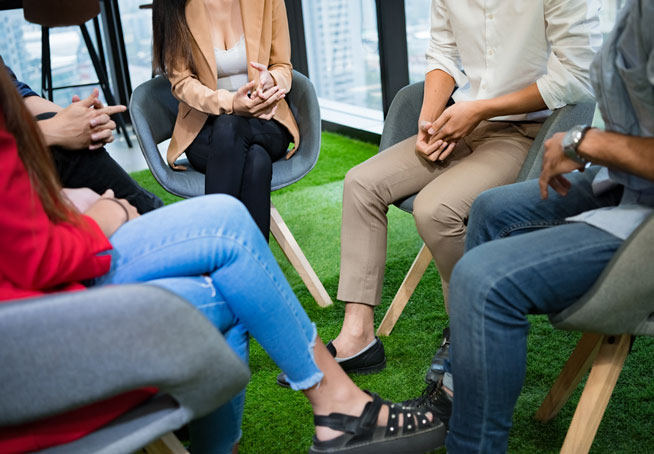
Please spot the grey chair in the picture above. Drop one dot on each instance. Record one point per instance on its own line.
(619, 306)
(402, 122)
(153, 110)
(68, 350)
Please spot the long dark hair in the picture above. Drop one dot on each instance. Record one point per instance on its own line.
(171, 37)
(33, 151)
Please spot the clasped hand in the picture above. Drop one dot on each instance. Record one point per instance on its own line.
(437, 139)
(555, 164)
(258, 100)
(83, 124)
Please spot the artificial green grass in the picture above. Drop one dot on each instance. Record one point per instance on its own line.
(278, 420)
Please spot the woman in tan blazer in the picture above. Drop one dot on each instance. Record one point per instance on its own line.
(229, 65)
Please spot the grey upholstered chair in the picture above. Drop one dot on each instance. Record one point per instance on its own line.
(402, 122)
(619, 306)
(154, 109)
(67, 350)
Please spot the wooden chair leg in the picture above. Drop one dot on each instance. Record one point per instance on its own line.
(599, 387)
(405, 291)
(573, 371)
(292, 250)
(168, 444)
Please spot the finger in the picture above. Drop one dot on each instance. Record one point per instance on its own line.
(447, 151)
(108, 193)
(425, 125)
(88, 101)
(111, 125)
(563, 184)
(258, 66)
(243, 91)
(273, 99)
(439, 123)
(101, 135)
(111, 110)
(76, 98)
(100, 120)
(269, 115)
(543, 183)
(556, 185)
(265, 94)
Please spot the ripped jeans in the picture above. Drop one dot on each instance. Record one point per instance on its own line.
(209, 251)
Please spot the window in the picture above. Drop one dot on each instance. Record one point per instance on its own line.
(417, 35)
(137, 33)
(342, 50)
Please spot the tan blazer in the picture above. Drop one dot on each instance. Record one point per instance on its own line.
(267, 42)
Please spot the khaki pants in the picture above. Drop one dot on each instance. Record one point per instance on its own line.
(490, 156)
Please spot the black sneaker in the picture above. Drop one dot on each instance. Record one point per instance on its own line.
(435, 400)
(437, 368)
(368, 361)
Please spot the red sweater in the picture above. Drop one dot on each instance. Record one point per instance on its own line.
(38, 257)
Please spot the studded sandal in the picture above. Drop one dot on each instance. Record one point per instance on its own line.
(362, 435)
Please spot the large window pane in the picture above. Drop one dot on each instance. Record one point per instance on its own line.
(343, 54)
(21, 50)
(417, 36)
(137, 33)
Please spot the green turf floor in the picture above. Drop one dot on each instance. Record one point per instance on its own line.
(279, 420)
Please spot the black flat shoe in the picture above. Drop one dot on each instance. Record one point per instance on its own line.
(369, 361)
(362, 435)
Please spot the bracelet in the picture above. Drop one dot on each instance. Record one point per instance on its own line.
(119, 204)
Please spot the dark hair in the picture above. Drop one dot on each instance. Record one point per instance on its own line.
(171, 37)
(33, 151)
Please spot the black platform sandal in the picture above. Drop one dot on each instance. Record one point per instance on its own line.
(362, 435)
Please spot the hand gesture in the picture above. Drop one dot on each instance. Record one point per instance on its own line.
(456, 122)
(430, 148)
(263, 105)
(110, 213)
(555, 164)
(266, 80)
(83, 124)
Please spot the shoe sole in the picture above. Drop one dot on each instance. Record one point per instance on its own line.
(419, 443)
(360, 371)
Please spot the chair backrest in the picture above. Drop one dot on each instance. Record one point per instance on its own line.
(154, 110)
(402, 122)
(67, 350)
(622, 299)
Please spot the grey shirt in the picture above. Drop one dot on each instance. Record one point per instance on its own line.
(622, 74)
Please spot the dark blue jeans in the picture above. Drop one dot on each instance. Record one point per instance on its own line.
(522, 258)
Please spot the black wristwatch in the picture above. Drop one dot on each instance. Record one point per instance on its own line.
(571, 142)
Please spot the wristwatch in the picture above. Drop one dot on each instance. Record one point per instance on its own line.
(571, 142)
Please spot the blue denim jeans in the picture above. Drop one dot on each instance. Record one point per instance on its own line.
(522, 258)
(209, 251)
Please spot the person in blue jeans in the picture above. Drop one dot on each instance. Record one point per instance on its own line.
(538, 246)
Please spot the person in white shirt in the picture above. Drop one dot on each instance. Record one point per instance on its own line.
(495, 70)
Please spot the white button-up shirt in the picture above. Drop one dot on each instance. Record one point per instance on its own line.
(495, 47)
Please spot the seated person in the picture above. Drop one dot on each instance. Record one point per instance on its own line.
(230, 70)
(76, 136)
(509, 64)
(534, 249)
(207, 250)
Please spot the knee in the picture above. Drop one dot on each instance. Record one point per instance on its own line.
(487, 208)
(218, 206)
(361, 185)
(438, 218)
(259, 162)
(227, 128)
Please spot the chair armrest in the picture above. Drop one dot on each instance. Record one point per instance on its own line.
(402, 119)
(67, 350)
(559, 121)
(622, 299)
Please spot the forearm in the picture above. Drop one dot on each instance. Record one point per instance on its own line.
(522, 101)
(628, 153)
(438, 89)
(37, 105)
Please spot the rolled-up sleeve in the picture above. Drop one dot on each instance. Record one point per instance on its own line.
(443, 53)
(573, 31)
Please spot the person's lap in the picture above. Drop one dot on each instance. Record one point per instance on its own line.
(530, 269)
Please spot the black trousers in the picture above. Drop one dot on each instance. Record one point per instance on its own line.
(96, 170)
(236, 154)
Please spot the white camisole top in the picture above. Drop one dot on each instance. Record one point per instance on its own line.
(232, 66)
